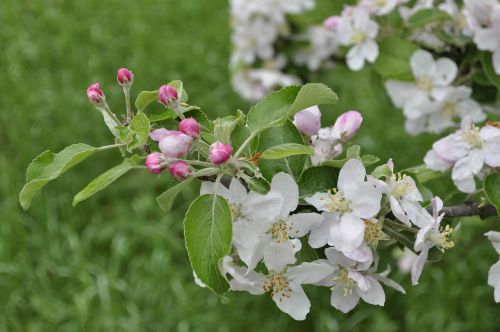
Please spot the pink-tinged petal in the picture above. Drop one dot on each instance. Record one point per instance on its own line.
(434, 162)
(437, 206)
(344, 303)
(418, 266)
(158, 134)
(489, 132)
(466, 185)
(374, 294)
(297, 304)
(451, 148)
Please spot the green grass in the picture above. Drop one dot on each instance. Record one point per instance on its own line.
(116, 262)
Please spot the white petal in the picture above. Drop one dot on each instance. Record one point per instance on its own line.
(364, 198)
(432, 161)
(486, 39)
(238, 190)
(302, 223)
(422, 64)
(398, 212)
(361, 280)
(319, 200)
(297, 305)
(352, 231)
(370, 50)
(247, 236)
(337, 258)
(418, 266)
(310, 272)
(374, 294)
(389, 282)
(352, 172)
(489, 132)
(446, 71)
(355, 59)
(259, 206)
(208, 188)
(278, 255)
(494, 275)
(252, 282)
(284, 184)
(318, 237)
(344, 303)
(401, 92)
(494, 237)
(496, 61)
(492, 152)
(468, 166)
(466, 185)
(362, 254)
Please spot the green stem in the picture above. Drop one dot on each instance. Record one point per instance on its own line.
(126, 92)
(107, 147)
(245, 143)
(111, 114)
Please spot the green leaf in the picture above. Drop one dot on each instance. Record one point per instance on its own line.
(353, 152)
(223, 127)
(369, 160)
(278, 106)
(110, 120)
(492, 189)
(382, 171)
(166, 200)
(317, 179)
(48, 166)
(426, 16)
(293, 165)
(286, 150)
(106, 178)
(208, 233)
(144, 98)
(394, 59)
(181, 93)
(493, 77)
(306, 253)
(140, 128)
(423, 174)
(166, 114)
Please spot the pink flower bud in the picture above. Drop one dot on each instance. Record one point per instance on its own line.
(330, 23)
(190, 127)
(167, 94)
(220, 152)
(180, 169)
(308, 121)
(175, 144)
(124, 76)
(153, 162)
(347, 125)
(95, 94)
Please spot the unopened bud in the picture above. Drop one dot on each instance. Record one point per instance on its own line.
(308, 121)
(190, 127)
(124, 76)
(95, 94)
(220, 152)
(179, 169)
(167, 94)
(153, 162)
(330, 23)
(347, 125)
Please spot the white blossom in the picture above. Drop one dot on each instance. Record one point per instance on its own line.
(357, 30)
(355, 202)
(429, 236)
(285, 285)
(381, 7)
(467, 152)
(351, 281)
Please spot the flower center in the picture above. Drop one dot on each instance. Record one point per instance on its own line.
(343, 280)
(401, 187)
(442, 238)
(449, 108)
(337, 202)
(471, 137)
(358, 37)
(425, 83)
(236, 210)
(279, 231)
(373, 232)
(278, 284)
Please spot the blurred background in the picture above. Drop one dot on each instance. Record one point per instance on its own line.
(117, 262)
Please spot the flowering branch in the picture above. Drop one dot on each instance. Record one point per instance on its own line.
(469, 208)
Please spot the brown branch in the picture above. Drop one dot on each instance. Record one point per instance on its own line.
(468, 209)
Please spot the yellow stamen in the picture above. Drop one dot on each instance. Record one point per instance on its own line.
(343, 280)
(278, 284)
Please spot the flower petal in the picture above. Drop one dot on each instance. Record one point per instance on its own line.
(344, 303)
(277, 255)
(319, 236)
(297, 304)
(302, 223)
(418, 266)
(310, 272)
(374, 294)
(352, 172)
(285, 185)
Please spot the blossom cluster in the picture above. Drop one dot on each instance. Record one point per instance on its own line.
(257, 25)
(431, 103)
(347, 228)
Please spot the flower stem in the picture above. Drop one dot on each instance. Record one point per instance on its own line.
(107, 147)
(126, 92)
